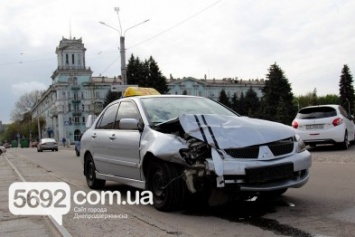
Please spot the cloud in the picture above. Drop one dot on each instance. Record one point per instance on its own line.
(19, 89)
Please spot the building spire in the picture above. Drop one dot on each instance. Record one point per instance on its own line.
(70, 29)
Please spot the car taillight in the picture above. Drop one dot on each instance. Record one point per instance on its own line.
(294, 124)
(337, 122)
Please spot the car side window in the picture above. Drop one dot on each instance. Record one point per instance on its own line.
(127, 109)
(108, 118)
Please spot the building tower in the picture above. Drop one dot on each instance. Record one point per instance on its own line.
(67, 79)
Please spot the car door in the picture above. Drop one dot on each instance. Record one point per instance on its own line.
(348, 122)
(100, 138)
(122, 149)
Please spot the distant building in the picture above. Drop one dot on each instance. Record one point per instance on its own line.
(73, 94)
(212, 88)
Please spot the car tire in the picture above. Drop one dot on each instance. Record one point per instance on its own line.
(345, 144)
(168, 188)
(90, 175)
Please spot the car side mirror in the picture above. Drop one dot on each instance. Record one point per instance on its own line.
(130, 124)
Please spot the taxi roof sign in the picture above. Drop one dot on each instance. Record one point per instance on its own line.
(136, 91)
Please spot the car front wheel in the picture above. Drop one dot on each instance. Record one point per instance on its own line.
(166, 184)
(90, 175)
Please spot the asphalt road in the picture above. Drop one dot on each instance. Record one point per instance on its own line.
(325, 206)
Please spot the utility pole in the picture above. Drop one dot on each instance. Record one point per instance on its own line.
(122, 44)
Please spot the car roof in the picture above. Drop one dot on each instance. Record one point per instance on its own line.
(154, 96)
(318, 106)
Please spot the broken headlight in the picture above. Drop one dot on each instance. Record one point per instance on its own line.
(197, 150)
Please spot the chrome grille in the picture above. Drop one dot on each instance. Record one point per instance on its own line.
(245, 152)
(281, 147)
(278, 148)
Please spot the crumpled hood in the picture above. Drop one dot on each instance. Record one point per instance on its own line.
(225, 132)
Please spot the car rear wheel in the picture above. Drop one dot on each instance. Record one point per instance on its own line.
(345, 144)
(166, 184)
(90, 175)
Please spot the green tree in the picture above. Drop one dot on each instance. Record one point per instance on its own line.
(241, 108)
(24, 104)
(156, 78)
(309, 99)
(27, 128)
(234, 102)
(346, 90)
(277, 93)
(251, 103)
(146, 74)
(111, 96)
(328, 99)
(223, 98)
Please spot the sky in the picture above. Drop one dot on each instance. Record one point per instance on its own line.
(311, 40)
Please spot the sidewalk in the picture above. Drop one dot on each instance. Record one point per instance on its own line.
(13, 225)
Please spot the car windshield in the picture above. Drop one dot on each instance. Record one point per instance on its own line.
(161, 109)
(316, 112)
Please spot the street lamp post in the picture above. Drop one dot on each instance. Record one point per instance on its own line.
(39, 126)
(122, 44)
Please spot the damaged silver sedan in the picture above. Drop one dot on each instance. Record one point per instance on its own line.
(176, 146)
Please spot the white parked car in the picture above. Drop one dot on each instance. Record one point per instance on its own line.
(325, 124)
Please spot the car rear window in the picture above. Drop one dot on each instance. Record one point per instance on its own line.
(316, 112)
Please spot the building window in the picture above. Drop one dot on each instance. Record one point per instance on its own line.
(82, 95)
(77, 135)
(83, 119)
(82, 107)
(69, 120)
(79, 60)
(76, 119)
(66, 59)
(72, 59)
(97, 94)
(69, 107)
(75, 81)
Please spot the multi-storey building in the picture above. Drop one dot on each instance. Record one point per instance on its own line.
(73, 94)
(212, 88)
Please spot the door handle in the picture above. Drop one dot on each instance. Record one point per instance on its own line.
(112, 137)
(94, 135)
